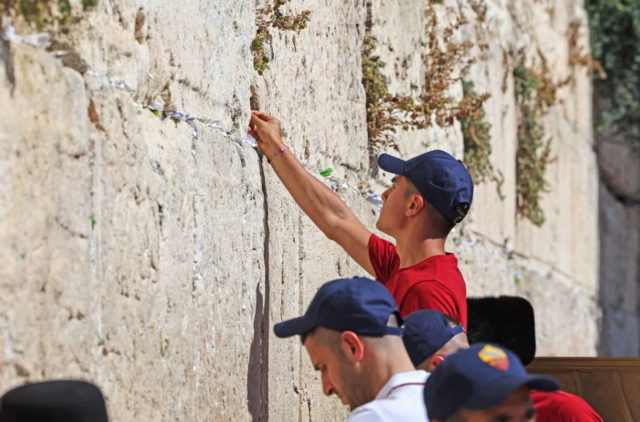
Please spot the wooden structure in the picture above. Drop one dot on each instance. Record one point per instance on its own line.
(610, 385)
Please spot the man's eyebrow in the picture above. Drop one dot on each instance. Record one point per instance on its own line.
(395, 179)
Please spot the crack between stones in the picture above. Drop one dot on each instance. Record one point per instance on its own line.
(196, 278)
(263, 414)
(69, 229)
(197, 248)
(5, 56)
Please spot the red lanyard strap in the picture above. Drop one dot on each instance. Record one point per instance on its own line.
(405, 384)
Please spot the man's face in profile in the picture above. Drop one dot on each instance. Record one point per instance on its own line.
(336, 372)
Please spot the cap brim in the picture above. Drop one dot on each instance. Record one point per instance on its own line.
(391, 164)
(498, 391)
(292, 327)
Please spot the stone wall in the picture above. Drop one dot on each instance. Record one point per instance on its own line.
(556, 265)
(620, 248)
(153, 255)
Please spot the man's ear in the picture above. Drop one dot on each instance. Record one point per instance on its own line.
(352, 346)
(437, 360)
(416, 204)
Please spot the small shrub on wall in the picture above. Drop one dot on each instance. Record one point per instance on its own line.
(533, 150)
(615, 44)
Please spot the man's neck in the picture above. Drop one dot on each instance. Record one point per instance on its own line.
(386, 369)
(411, 250)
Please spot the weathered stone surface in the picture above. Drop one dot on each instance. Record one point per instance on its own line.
(619, 168)
(116, 228)
(153, 256)
(495, 246)
(619, 276)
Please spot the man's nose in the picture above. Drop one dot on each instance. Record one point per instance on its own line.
(327, 387)
(384, 195)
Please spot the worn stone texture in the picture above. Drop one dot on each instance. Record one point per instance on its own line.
(153, 256)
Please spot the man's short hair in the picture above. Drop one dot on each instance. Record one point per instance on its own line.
(435, 216)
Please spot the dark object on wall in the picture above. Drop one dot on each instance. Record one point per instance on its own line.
(505, 320)
(54, 401)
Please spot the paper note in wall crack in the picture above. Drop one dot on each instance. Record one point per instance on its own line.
(251, 141)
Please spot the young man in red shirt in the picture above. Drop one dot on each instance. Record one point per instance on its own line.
(430, 194)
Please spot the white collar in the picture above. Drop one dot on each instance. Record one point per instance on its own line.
(401, 379)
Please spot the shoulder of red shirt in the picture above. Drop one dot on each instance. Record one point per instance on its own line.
(560, 406)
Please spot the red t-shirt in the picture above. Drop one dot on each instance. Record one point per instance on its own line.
(560, 406)
(435, 283)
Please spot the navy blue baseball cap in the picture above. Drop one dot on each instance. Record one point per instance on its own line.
(356, 304)
(443, 181)
(425, 332)
(479, 377)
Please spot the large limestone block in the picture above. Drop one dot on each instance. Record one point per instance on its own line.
(127, 261)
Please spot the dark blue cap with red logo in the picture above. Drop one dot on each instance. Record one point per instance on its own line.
(480, 377)
(443, 181)
(356, 304)
(425, 332)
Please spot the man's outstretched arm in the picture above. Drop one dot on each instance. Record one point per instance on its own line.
(324, 207)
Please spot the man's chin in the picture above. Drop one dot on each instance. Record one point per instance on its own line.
(343, 400)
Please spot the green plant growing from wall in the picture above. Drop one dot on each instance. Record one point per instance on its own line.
(476, 133)
(272, 17)
(43, 14)
(382, 108)
(533, 95)
(89, 4)
(615, 44)
(387, 112)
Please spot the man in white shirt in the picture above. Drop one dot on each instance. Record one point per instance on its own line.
(351, 331)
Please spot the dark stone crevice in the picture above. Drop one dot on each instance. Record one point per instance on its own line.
(258, 370)
(7, 59)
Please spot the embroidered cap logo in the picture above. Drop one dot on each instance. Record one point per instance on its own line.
(494, 357)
